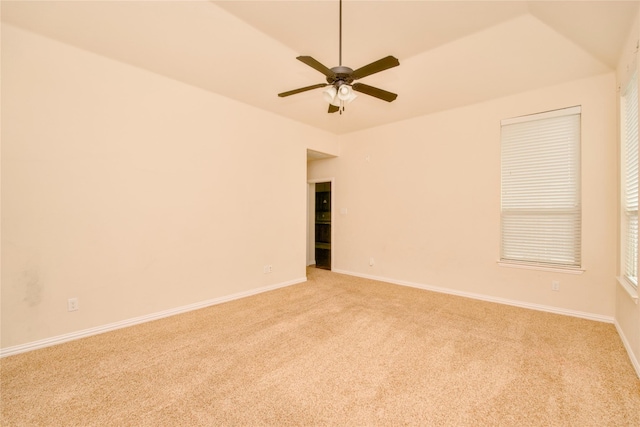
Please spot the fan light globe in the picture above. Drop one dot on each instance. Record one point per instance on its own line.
(346, 93)
(329, 94)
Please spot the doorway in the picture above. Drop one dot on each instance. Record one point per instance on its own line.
(322, 226)
(325, 227)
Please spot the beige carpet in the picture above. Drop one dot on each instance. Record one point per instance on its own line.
(336, 350)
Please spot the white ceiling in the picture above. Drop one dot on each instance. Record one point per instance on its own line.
(452, 53)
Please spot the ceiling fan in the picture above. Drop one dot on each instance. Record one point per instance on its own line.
(341, 79)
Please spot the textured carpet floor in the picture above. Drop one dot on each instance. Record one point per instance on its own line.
(336, 350)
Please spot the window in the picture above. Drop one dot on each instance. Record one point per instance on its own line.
(629, 181)
(540, 209)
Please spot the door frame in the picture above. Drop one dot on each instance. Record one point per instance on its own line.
(311, 218)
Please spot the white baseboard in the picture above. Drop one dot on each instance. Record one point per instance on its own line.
(538, 307)
(47, 342)
(627, 346)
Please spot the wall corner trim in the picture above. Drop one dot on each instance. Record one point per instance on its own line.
(634, 360)
(48, 342)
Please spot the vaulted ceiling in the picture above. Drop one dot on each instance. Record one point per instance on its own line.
(452, 53)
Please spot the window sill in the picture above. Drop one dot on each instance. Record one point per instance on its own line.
(631, 290)
(540, 267)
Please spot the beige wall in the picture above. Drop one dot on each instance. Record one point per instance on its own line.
(136, 193)
(627, 314)
(423, 199)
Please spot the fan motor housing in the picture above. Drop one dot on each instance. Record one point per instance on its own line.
(342, 76)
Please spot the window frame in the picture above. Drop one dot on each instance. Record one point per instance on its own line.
(518, 199)
(629, 173)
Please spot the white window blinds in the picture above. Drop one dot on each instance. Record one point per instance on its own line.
(540, 209)
(630, 180)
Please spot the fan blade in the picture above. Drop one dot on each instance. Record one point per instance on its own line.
(302, 89)
(374, 91)
(316, 65)
(376, 67)
(333, 108)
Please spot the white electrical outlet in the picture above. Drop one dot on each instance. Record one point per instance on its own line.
(555, 285)
(371, 262)
(72, 304)
(267, 269)
(270, 268)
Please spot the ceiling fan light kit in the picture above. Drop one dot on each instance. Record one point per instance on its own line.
(340, 79)
(344, 94)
